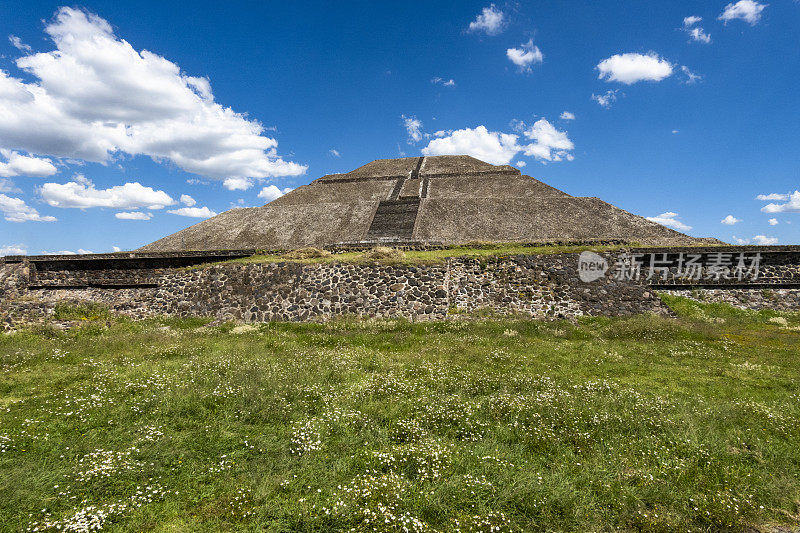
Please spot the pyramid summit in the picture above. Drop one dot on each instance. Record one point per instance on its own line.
(438, 199)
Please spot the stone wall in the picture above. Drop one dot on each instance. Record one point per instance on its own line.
(539, 286)
(543, 286)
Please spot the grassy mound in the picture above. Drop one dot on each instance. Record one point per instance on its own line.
(383, 253)
(306, 253)
(637, 424)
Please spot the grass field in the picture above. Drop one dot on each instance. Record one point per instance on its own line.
(639, 424)
(422, 257)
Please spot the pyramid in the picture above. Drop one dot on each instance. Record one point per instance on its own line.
(436, 199)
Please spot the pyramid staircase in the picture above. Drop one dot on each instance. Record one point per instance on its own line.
(395, 217)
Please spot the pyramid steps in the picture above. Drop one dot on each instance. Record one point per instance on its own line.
(394, 219)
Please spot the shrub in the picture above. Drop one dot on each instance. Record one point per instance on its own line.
(384, 252)
(306, 253)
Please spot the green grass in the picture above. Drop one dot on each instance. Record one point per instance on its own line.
(637, 424)
(416, 257)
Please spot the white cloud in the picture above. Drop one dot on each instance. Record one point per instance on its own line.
(764, 240)
(690, 21)
(737, 240)
(193, 212)
(8, 186)
(271, 192)
(16, 210)
(773, 222)
(133, 215)
(520, 164)
(695, 32)
(95, 97)
(674, 132)
(670, 220)
(746, 10)
(23, 165)
(444, 82)
(699, 35)
(771, 197)
(528, 54)
(566, 115)
(791, 206)
(116, 249)
(334, 152)
(730, 220)
(413, 127)
(13, 249)
(493, 147)
(490, 21)
(237, 184)
(691, 77)
(17, 43)
(188, 200)
(632, 68)
(549, 143)
(80, 251)
(607, 99)
(81, 193)
(497, 148)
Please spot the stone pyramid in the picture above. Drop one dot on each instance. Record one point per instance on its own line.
(437, 199)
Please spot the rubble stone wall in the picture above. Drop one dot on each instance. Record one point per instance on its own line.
(538, 286)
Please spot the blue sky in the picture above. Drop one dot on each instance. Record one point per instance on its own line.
(121, 123)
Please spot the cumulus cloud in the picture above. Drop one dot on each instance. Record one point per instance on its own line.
(607, 99)
(771, 197)
(773, 222)
(413, 127)
(193, 212)
(95, 97)
(8, 186)
(549, 143)
(17, 43)
(730, 220)
(525, 56)
(81, 193)
(271, 192)
(746, 10)
(80, 251)
(490, 146)
(670, 220)
(444, 82)
(699, 35)
(792, 205)
(188, 200)
(696, 33)
(498, 148)
(237, 184)
(632, 68)
(490, 21)
(690, 21)
(764, 240)
(520, 164)
(13, 249)
(566, 115)
(335, 153)
(16, 210)
(133, 215)
(17, 164)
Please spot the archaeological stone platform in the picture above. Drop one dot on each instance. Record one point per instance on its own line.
(548, 286)
(436, 199)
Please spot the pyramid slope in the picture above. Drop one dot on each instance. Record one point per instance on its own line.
(447, 199)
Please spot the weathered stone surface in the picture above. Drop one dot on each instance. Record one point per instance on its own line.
(447, 199)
